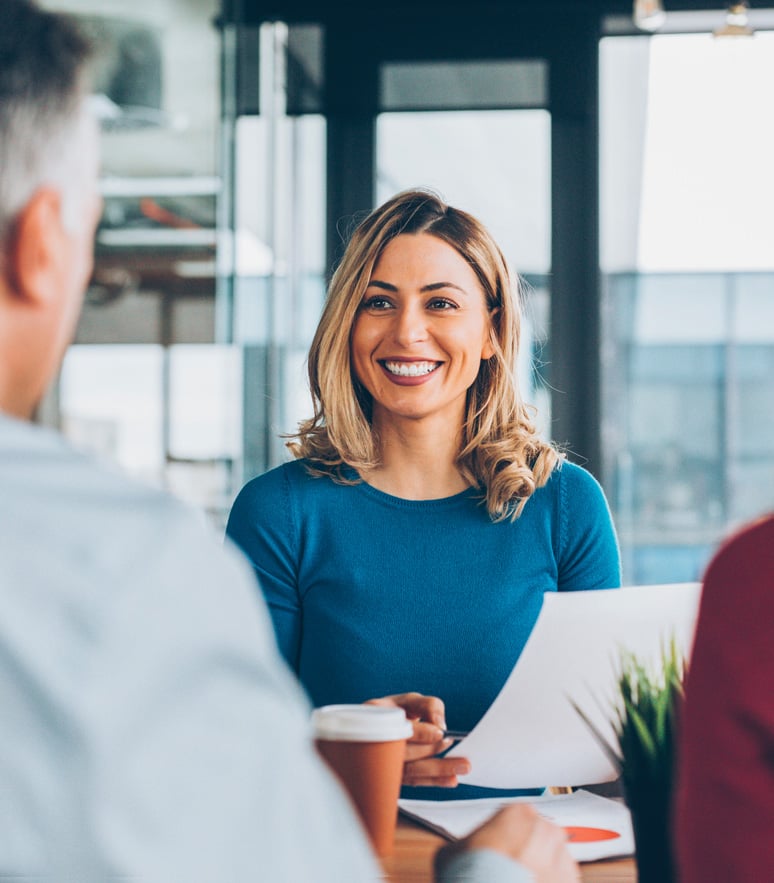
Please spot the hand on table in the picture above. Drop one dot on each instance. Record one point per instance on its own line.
(521, 834)
(428, 716)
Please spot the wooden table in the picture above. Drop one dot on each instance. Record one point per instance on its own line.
(412, 860)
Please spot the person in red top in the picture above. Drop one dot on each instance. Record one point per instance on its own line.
(724, 810)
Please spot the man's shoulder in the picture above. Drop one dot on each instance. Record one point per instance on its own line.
(86, 516)
(744, 561)
(97, 551)
(40, 468)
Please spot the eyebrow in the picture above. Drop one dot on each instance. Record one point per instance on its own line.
(433, 286)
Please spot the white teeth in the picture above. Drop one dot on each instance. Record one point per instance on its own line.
(410, 369)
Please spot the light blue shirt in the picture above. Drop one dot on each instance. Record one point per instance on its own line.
(150, 731)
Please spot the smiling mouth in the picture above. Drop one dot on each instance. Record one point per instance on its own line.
(410, 369)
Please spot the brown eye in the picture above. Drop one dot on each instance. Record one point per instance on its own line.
(377, 303)
(442, 304)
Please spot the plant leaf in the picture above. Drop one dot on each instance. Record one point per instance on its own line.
(641, 728)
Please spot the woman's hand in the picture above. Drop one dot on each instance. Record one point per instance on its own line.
(428, 716)
(521, 834)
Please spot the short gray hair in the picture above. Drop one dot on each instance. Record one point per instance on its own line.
(43, 114)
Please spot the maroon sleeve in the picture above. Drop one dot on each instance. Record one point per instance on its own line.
(724, 811)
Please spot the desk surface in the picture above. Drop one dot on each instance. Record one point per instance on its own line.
(412, 860)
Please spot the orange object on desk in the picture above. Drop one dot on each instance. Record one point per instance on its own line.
(415, 846)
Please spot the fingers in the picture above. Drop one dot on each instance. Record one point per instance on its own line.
(428, 717)
(417, 707)
(519, 832)
(508, 831)
(427, 739)
(547, 855)
(439, 772)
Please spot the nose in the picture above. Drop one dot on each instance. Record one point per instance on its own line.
(410, 325)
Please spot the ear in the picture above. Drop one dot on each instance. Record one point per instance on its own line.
(38, 249)
(488, 349)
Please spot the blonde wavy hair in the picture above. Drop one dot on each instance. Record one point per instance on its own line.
(500, 450)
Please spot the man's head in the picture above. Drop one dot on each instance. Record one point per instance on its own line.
(49, 202)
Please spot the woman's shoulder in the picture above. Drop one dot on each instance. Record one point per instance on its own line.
(567, 475)
(268, 499)
(288, 494)
(278, 479)
(573, 475)
(571, 486)
(295, 478)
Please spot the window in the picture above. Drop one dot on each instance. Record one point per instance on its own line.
(688, 271)
(493, 163)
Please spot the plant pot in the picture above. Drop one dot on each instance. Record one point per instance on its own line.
(651, 821)
(646, 719)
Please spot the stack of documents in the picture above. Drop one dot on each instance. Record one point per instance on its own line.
(597, 827)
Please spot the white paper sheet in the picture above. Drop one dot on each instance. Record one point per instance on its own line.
(531, 736)
(455, 819)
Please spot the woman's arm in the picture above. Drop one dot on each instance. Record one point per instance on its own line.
(587, 547)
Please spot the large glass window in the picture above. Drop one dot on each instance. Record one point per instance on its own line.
(688, 274)
(145, 384)
(171, 416)
(111, 399)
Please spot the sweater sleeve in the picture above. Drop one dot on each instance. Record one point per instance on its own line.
(588, 556)
(479, 866)
(262, 525)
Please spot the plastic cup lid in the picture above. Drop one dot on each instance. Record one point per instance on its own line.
(361, 723)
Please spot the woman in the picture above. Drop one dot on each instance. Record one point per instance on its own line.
(410, 543)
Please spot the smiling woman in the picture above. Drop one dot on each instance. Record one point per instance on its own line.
(420, 335)
(494, 446)
(409, 545)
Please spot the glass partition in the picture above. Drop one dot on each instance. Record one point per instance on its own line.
(279, 222)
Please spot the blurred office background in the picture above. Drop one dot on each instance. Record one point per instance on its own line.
(627, 174)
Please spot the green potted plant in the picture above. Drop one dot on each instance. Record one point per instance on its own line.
(645, 721)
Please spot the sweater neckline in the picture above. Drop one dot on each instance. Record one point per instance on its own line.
(435, 503)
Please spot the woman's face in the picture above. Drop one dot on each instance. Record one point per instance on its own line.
(421, 332)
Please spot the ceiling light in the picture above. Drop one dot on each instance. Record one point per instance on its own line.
(649, 15)
(736, 22)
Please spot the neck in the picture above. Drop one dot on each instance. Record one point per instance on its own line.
(14, 403)
(418, 461)
(20, 358)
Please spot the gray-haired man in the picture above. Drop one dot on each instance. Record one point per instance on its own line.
(149, 729)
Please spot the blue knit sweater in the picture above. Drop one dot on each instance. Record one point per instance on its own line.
(372, 594)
